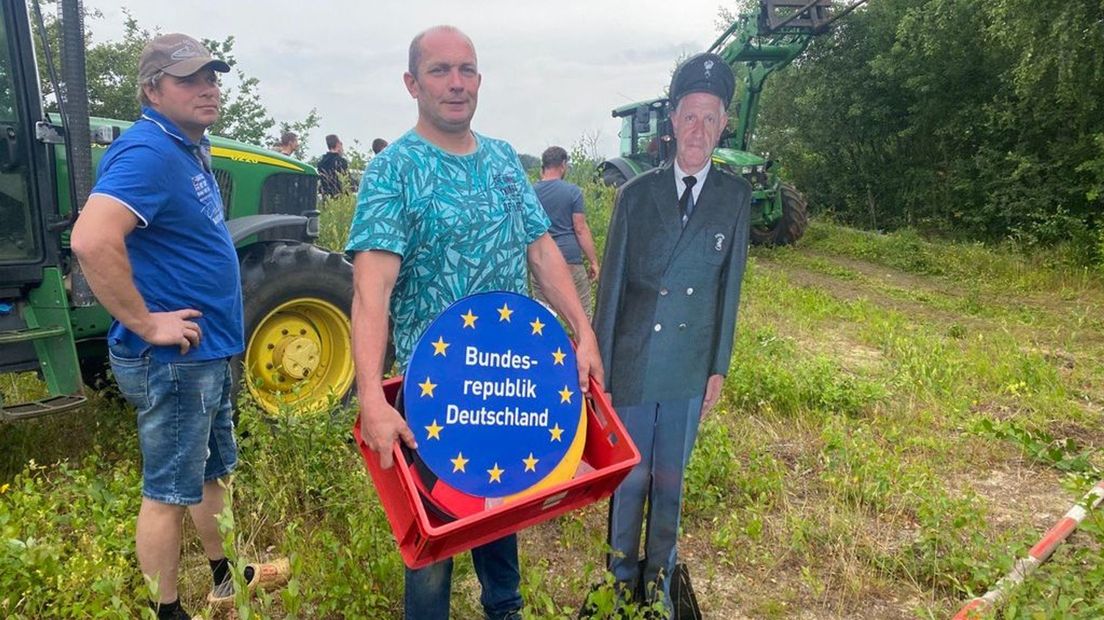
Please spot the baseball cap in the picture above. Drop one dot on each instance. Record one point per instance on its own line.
(178, 55)
(703, 73)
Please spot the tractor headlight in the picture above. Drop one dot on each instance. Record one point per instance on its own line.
(761, 176)
(757, 176)
(311, 226)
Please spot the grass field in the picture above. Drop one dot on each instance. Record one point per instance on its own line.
(902, 420)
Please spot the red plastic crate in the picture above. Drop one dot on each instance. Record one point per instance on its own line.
(423, 539)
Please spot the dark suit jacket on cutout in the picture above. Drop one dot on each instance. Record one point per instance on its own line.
(667, 300)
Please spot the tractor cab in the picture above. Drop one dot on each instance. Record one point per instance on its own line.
(756, 45)
(35, 330)
(645, 132)
(646, 140)
(26, 206)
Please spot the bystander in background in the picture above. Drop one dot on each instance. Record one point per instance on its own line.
(563, 202)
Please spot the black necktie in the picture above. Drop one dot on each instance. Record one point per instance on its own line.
(686, 201)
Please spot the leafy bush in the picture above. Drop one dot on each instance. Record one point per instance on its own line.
(977, 120)
(66, 541)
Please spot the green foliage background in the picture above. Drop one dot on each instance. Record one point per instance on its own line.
(970, 118)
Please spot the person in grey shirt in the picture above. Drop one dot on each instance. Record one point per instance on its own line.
(563, 202)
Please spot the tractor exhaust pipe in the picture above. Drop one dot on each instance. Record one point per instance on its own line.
(73, 101)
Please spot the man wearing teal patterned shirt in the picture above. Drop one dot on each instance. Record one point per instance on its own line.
(444, 213)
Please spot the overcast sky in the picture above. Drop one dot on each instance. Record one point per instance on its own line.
(552, 71)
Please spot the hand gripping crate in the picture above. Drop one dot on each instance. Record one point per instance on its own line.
(423, 539)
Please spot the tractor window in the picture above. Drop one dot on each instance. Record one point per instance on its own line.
(7, 92)
(627, 142)
(19, 238)
(639, 133)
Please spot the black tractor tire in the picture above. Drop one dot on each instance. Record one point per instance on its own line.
(788, 228)
(297, 308)
(613, 177)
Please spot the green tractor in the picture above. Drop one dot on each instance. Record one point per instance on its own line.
(297, 296)
(755, 45)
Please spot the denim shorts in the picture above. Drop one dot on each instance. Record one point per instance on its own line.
(185, 422)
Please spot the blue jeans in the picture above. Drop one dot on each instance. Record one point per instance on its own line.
(185, 422)
(428, 589)
(664, 432)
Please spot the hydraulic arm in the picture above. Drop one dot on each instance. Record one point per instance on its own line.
(758, 44)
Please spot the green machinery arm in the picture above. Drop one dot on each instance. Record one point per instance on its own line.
(767, 41)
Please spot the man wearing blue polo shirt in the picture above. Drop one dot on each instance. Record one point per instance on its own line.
(155, 249)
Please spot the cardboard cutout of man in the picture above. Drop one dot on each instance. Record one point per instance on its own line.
(675, 256)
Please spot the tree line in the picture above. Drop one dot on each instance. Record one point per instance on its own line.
(112, 73)
(978, 119)
(975, 119)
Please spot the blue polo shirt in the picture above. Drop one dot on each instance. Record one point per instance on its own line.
(181, 252)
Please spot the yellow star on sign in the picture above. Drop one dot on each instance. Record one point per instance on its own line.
(558, 357)
(565, 395)
(496, 473)
(459, 462)
(469, 319)
(530, 463)
(557, 432)
(434, 430)
(504, 313)
(538, 327)
(427, 387)
(440, 346)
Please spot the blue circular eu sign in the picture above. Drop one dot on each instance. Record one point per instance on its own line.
(492, 394)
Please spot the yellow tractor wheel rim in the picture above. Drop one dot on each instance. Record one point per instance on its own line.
(299, 357)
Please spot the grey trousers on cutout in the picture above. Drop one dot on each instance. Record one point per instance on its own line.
(664, 432)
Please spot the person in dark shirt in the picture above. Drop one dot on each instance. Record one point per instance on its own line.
(334, 168)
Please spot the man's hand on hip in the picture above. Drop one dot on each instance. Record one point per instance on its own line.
(172, 329)
(380, 427)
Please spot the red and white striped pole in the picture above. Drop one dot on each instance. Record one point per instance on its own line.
(1036, 555)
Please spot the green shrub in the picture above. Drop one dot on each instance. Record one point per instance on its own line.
(66, 541)
(333, 225)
